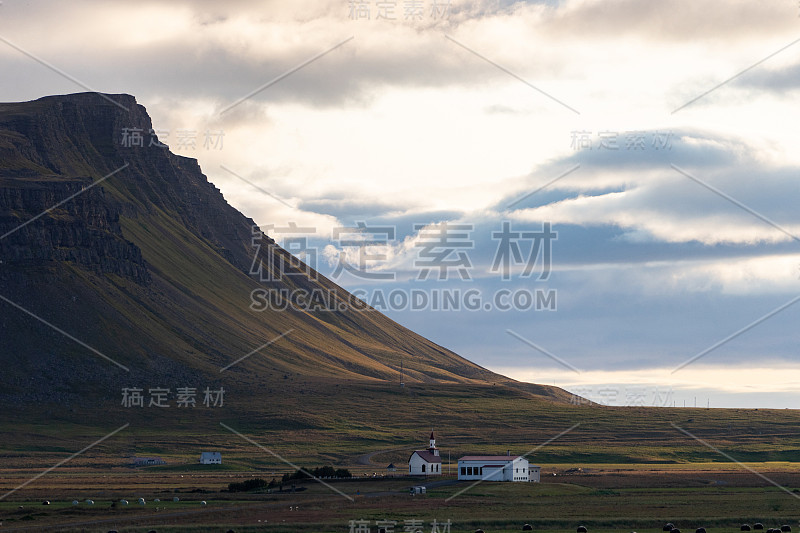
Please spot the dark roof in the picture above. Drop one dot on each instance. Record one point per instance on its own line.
(427, 456)
(391, 465)
(431, 434)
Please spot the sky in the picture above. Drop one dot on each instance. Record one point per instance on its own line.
(645, 151)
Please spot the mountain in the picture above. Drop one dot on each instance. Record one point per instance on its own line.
(124, 265)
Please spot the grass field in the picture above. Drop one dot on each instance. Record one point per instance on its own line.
(493, 507)
(603, 497)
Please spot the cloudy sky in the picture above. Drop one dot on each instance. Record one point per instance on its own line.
(658, 140)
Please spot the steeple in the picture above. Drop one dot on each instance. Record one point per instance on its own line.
(432, 448)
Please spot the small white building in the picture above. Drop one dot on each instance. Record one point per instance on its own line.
(210, 458)
(497, 468)
(148, 461)
(426, 462)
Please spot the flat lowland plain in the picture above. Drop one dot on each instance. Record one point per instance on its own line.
(602, 497)
(610, 469)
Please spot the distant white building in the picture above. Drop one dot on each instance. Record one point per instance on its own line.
(497, 468)
(148, 461)
(426, 462)
(210, 458)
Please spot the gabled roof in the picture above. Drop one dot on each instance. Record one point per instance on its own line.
(490, 457)
(427, 456)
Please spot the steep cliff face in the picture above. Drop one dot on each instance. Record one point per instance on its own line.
(86, 135)
(84, 230)
(133, 254)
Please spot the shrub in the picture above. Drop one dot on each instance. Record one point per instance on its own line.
(325, 471)
(246, 486)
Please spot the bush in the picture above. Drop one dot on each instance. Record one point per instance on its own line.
(246, 486)
(325, 471)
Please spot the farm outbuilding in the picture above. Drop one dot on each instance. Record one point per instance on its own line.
(211, 458)
(497, 468)
(148, 461)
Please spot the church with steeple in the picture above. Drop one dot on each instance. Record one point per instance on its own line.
(426, 462)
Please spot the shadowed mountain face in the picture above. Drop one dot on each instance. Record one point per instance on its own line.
(148, 269)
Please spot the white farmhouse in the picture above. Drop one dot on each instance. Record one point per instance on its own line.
(210, 458)
(497, 468)
(426, 462)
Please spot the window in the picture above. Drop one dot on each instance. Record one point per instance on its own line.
(463, 470)
(480, 471)
(423, 467)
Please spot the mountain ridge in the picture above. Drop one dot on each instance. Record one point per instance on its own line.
(147, 263)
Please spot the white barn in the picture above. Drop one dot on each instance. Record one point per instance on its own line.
(210, 458)
(497, 468)
(426, 462)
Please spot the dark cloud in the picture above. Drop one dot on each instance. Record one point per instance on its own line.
(597, 328)
(346, 209)
(773, 80)
(211, 62)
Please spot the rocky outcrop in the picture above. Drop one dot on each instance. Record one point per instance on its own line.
(84, 230)
(48, 150)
